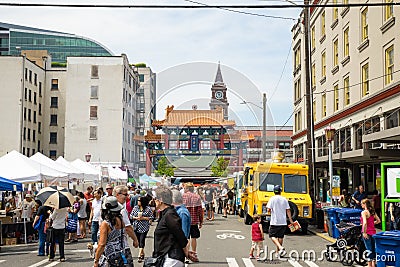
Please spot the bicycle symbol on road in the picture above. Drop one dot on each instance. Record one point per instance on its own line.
(229, 234)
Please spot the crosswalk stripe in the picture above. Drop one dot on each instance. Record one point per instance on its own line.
(247, 262)
(2, 261)
(311, 264)
(295, 263)
(232, 262)
(54, 263)
(39, 263)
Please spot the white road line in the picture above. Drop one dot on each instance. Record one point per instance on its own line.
(232, 262)
(295, 263)
(54, 263)
(233, 231)
(311, 264)
(39, 263)
(247, 262)
(2, 261)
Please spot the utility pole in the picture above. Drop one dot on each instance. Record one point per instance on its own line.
(309, 101)
(264, 129)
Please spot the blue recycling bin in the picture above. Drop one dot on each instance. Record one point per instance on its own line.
(350, 215)
(387, 248)
(333, 219)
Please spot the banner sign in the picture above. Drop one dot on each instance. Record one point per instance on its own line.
(393, 182)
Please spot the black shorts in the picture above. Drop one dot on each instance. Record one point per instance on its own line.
(209, 206)
(194, 231)
(82, 219)
(141, 238)
(277, 231)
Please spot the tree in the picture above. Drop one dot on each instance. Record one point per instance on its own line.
(219, 169)
(164, 168)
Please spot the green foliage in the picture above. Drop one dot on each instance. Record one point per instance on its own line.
(219, 169)
(58, 64)
(140, 65)
(164, 168)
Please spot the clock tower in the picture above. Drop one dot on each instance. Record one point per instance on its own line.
(218, 94)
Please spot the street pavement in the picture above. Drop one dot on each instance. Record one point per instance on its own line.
(223, 242)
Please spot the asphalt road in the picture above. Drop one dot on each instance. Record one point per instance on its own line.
(223, 242)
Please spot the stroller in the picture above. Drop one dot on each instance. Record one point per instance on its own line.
(349, 247)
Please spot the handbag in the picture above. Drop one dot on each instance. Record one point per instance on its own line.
(49, 234)
(72, 223)
(118, 259)
(38, 222)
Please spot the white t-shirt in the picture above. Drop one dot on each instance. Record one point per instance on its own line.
(27, 209)
(224, 193)
(58, 216)
(125, 217)
(96, 206)
(278, 205)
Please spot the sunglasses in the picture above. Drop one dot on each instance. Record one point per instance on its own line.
(108, 188)
(126, 194)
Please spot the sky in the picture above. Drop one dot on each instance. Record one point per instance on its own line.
(184, 46)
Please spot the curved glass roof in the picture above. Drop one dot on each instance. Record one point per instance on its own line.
(14, 38)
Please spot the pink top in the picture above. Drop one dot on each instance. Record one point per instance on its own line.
(370, 225)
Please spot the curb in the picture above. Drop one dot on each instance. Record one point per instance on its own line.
(324, 236)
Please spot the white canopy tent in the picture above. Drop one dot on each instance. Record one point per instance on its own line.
(42, 159)
(117, 174)
(17, 167)
(90, 172)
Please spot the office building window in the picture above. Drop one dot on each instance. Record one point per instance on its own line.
(313, 38)
(323, 24)
(53, 154)
(26, 74)
(26, 94)
(335, 53)
(95, 71)
(389, 64)
(34, 116)
(314, 105)
(24, 133)
(335, 11)
(346, 45)
(35, 98)
(297, 121)
(93, 132)
(323, 105)
(141, 78)
(53, 120)
(25, 114)
(313, 82)
(30, 76)
(29, 134)
(40, 89)
(40, 109)
(346, 86)
(184, 144)
(39, 127)
(388, 9)
(29, 114)
(323, 64)
(33, 136)
(53, 138)
(297, 90)
(365, 79)
(364, 24)
(30, 95)
(54, 102)
(28, 152)
(93, 112)
(94, 92)
(35, 79)
(54, 84)
(38, 145)
(336, 94)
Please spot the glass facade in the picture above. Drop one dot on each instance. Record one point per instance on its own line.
(59, 45)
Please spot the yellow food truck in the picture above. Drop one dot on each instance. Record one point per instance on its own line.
(258, 186)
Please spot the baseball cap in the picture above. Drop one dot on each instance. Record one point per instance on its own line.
(277, 189)
(111, 203)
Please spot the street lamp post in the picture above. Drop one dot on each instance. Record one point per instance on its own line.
(264, 126)
(329, 134)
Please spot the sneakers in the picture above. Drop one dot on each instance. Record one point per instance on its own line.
(282, 252)
(258, 258)
(62, 259)
(251, 256)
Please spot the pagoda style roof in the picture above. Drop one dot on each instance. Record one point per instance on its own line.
(190, 118)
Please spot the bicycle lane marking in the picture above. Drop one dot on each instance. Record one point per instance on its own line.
(39, 263)
(232, 262)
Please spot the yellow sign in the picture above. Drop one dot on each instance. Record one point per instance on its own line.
(336, 191)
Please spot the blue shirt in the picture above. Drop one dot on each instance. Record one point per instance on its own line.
(184, 214)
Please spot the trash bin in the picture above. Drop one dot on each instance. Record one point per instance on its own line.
(387, 248)
(320, 218)
(350, 215)
(333, 219)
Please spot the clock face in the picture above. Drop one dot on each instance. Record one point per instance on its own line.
(219, 94)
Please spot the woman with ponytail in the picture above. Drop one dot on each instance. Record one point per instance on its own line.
(368, 221)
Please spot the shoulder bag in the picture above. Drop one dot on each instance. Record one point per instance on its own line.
(119, 259)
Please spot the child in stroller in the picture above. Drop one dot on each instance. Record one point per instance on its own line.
(349, 247)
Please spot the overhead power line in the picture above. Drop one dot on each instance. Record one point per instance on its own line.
(196, 6)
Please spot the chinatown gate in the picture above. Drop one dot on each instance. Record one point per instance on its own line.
(192, 140)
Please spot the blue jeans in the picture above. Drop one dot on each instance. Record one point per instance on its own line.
(94, 230)
(42, 239)
(395, 225)
(370, 248)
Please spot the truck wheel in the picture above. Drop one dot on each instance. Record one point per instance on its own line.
(294, 210)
